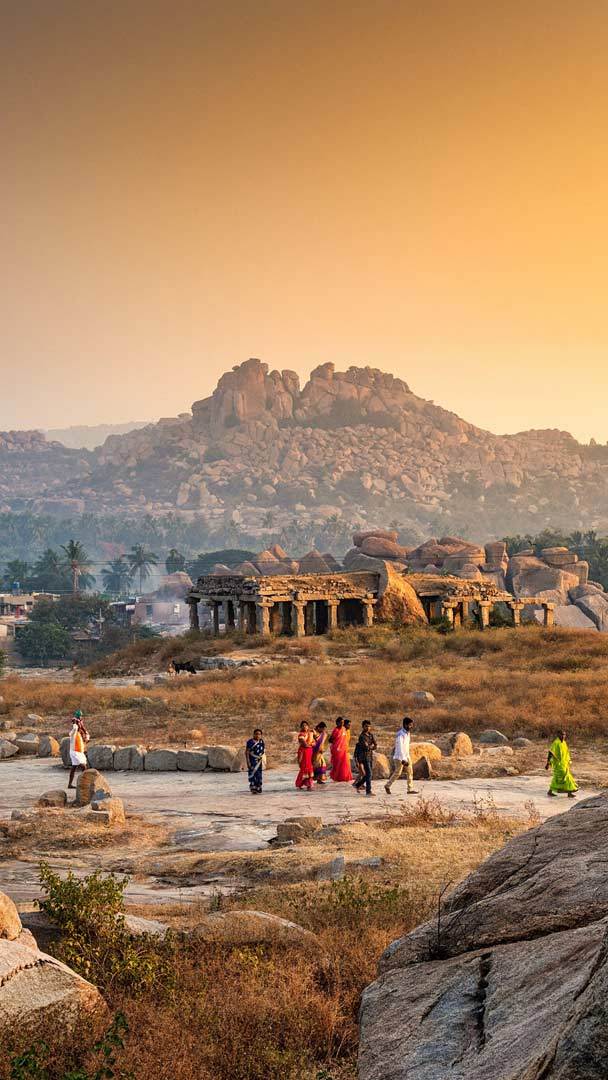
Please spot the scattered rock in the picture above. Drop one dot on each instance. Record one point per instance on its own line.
(298, 828)
(252, 928)
(88, 784)
(422, 769)
(34, 718)
(130, 758)
(460, 744)
(192, 760)
(381, 769)
(111, 811)
(10, 923)
(100, 756)
(48, 746)
(521, 742)
(497, 750)
(137, 926)
(64, 750)
(27, 744)
(424, 749)
(240, 761)
(7, 749)
(493, 737)
(221, 758)
(334, 870)
(423, 697)
(56, 797)
(319, 704)
(161, 760)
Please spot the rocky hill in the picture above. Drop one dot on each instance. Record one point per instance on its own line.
(90, 436)
(357, 446)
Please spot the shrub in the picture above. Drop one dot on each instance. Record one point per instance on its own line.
(34, 1065)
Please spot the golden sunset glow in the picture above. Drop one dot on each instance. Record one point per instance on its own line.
(419, 187)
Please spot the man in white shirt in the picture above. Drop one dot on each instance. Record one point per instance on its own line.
(401, 758)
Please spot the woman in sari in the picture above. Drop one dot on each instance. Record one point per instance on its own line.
(306, 741)
(319, 763)
(558, 759)
(340, 764)
(254, 752)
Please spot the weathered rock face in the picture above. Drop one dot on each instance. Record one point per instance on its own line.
(514, 982)
(7, 749)
(38, 991)
(161, 760)
(100, 756)
(10, 923)
(89, 782)
(48, 746)
(130, 758)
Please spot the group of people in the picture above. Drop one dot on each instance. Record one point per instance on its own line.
(314, 745)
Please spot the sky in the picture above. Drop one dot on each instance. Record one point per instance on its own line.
(417, 185)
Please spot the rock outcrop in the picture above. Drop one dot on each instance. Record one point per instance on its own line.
(513, 980)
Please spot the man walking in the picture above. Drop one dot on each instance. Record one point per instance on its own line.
(366, 744)
(402, 758)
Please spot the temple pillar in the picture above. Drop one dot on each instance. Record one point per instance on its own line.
(549, 614)
(447, 611)
(332, 615)
(517, 607)
(242, 617)
(215, 610)
(228, 615)
(464, 609)
(263, 617)
(297, 618)
(484, 613)
(368, 611)
(194, 620)
(309, 618)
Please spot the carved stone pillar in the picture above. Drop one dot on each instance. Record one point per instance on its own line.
(215, 609)
(194, 620)
(368, 611)
(263, 617)
(297, 618)
(332, 615)
(484, 613)
(549, 613)
(228, 614)
(517, 607)
(447, 611)
(242, 617)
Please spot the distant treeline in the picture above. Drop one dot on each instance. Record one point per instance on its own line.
(587, 545)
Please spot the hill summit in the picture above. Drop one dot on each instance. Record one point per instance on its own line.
(355, 444)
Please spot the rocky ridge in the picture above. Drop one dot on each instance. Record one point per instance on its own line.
(352, 444)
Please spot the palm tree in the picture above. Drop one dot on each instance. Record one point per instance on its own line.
(117, 576)
(175, 561)
(141, 562)
(77, 561)
(50, 573)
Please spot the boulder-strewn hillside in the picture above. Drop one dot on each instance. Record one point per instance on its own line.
(89, 437)
(356, 444)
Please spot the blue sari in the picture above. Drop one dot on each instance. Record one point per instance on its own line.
(255, 764)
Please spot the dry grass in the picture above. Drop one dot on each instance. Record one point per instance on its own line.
(49, 832)
(276, 1013)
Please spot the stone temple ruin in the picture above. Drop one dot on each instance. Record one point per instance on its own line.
(380, 583)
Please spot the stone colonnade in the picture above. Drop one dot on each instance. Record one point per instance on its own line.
(458, 610)
(299, 616)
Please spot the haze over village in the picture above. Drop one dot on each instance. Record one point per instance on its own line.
(303, 541)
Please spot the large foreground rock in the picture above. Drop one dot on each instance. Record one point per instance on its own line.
(10, 923)
(514, 983)
(7, 749)
(90, 784)
(38, 992)
(100, 755)
(130, 758)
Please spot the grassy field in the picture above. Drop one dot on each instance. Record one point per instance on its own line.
(524, 682)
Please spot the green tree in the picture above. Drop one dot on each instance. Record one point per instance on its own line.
(141, 563)
(49, 573)
(175, 561)
(40, 642)
(117, 576)
(16, 570)
(78, 562)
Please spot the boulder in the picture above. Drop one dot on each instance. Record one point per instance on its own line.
(514, 982)
(10, 923)
(44, 930)
(55, 797)
(221, 758)
(319, 704)
(334, 870)
(570, 616)
(7, 733)
(596, 609)
(28, 743)
(423, 697)
(381, 534)
(460, 744)
(38, 992)
(89, 782)
(64, 750)
(100, 756)
(110, 811)
(160, 760)
(7, 749)
(422, 769)
(48, 746)
(251, 928)
(138, 926)
(192, 760)
(493, 737)
(520, 742)
(424, 749)
(529, 576)
(240, 761)
(381, 768)
(34, 718)
(129, 758)
(380, 548)
(397, 601)
(298, 828)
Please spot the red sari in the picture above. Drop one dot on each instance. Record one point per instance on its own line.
(304, 779)
(340, 765)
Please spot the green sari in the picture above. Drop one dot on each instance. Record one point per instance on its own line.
(562, 779)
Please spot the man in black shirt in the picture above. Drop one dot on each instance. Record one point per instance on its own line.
(364, 754)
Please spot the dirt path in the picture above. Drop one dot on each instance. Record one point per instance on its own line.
(215, 812)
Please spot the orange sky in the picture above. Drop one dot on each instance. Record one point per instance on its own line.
(420, 186)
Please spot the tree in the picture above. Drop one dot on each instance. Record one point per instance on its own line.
(117, 576)
(78, 562)
(175, 561)
(49, 573)
(40, 642)
(141, 562)
(16, 570)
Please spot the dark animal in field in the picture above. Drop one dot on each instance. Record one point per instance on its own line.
(179, 666)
